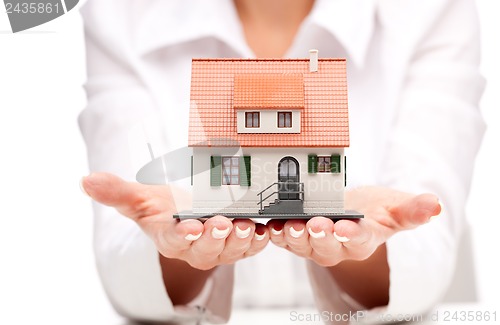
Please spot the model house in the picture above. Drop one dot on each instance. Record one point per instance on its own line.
(268, 136)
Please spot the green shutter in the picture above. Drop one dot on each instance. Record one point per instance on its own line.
(345, 171)
(245, 171)
(312, 164)
(335, 164)
(215, 171)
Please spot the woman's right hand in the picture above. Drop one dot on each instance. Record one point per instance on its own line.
(203, 246)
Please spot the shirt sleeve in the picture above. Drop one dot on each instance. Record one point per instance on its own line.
(437, 134)
(435, 137)
(127, 260)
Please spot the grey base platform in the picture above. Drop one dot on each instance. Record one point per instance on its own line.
(349, 214)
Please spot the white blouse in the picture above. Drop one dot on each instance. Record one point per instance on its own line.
(415, 126)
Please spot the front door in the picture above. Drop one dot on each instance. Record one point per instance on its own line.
(288, 178)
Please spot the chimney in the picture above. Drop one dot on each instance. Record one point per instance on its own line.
(313, 60)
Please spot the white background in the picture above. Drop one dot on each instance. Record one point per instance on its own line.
(47, 273)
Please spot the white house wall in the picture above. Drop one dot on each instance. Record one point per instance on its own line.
(324, 192)
(268, 121)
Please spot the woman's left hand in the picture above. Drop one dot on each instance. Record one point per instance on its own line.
(386, 212)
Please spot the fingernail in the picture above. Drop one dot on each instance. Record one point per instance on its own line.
(82, 188)
(440, 208)
(219, 234)
(276, 232)
(259, 237)
(316, 235)
(192, 237)
(242, 233)
(340, 238)
(188, 220)
(296, 233)
(437, 212)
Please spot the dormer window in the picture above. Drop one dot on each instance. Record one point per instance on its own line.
(268, 121)
(284, 119)
(252, 119)
(268, 103)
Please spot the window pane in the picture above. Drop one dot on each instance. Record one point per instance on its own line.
(284, 119)
(292, 170)
(252, 119)
(230, 170)
(248, 120)
(284, 168)
(324, 164)
(321, 166)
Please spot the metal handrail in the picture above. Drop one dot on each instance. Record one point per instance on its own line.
(275, 192)
(300, 192)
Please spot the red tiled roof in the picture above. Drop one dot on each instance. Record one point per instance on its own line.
(215, 90)
(268, 91)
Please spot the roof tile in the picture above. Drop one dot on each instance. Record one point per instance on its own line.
(268, 91)
(218, 86)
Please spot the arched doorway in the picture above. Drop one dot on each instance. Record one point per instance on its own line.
(288, 178)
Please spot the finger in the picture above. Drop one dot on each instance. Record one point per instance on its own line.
(352, 233)
(332, 243)
(179, 236)
(416, 210)
(131, 199)
(297, 237)
(259, 241)
(238, 241)
(326, 250)
(358, 238)
(318, 229)
(275, 231)
(206, 250)
(109, 189)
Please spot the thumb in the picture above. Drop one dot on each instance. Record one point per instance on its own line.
(416, 210)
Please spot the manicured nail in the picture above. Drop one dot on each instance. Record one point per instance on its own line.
(440, 207)
(242, 233)
(340, 238)
(219, 234)
(316, 235)
(276, 232)
(433, 217)
(259, 237)
(192, 237)
(296, 233)
(188, 220)
(82, 188)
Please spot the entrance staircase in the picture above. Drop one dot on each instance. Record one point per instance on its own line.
(281, 206)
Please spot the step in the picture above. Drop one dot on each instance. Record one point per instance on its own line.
(284, 206)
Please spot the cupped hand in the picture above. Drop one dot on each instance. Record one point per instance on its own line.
(205, 245)
(386, 212)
